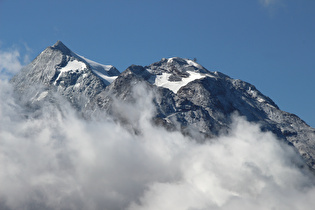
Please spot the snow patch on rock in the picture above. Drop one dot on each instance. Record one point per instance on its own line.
(163, 81)
(74, 65)
(100, 70)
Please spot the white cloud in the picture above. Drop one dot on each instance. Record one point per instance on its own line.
(11, 61)
(68, 163)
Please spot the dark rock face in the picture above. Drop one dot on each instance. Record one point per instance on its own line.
(187, 97)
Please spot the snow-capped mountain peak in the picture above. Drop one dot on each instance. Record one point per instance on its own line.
(58, 68)
(74, 62)
(187, 96)
(175, 73)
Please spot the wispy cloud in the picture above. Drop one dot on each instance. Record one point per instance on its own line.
(272, 6)
(11, 61)
(268, 3)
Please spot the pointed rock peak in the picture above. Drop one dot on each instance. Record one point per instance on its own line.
(59, 43)
(173, 60)
(178, 64)
(177, 60)
(175, 65)
(60, 46)
(183, 61)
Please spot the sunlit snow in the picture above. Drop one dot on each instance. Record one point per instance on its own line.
(73, 66)
(109, 79)
(193, 63)
(100, 70)
(96, 65)
(163, 81)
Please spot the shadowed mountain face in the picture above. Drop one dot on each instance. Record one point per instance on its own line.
(187, 97)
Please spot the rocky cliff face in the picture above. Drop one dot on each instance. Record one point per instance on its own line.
(187, 96)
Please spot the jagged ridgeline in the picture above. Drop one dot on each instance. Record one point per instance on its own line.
(187, 96)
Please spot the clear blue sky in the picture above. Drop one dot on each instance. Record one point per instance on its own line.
(268, 43)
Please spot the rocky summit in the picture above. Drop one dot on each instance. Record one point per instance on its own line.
(187, 97)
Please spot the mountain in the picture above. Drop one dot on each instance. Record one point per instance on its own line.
(187, 97)
(58, 68)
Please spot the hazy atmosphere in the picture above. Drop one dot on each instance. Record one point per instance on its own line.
(54, 157)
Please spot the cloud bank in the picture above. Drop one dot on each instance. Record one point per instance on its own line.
(59, 161)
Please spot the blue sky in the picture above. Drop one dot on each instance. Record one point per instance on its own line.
(268, 43)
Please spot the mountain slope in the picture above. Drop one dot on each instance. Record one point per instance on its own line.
(187, 96)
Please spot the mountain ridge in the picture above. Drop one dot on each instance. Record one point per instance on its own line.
(186, 95)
